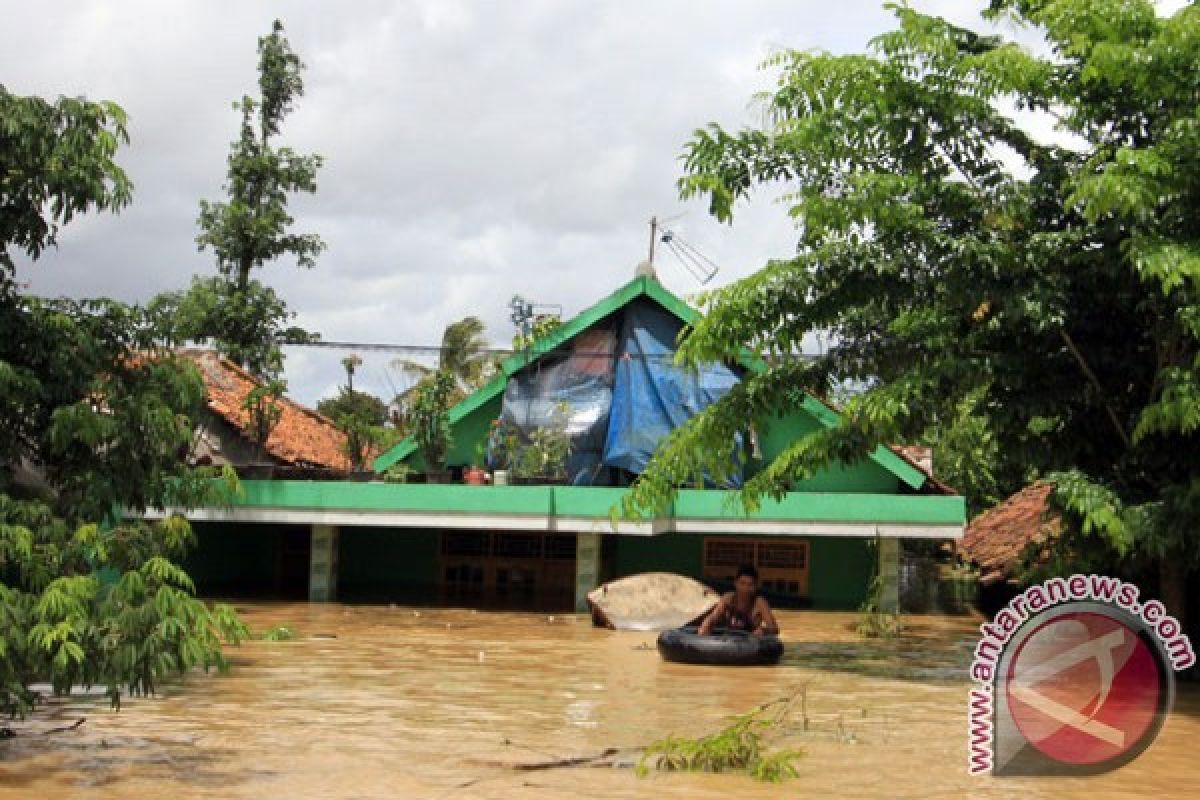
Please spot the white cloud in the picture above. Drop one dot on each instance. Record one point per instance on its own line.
(473, 150)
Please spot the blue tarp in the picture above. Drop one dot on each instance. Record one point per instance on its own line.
(651, 396)
(615, 417)
(578, 380)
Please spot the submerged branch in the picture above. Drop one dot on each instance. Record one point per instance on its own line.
(66, 728)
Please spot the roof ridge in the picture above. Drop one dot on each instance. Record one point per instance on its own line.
(241, 371)
(1038, 485)
(640, 286)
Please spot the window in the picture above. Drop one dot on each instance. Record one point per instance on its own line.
(782, 564)
(510, 567)
(783, 555)
(730, 553)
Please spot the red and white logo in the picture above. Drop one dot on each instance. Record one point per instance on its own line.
(1085, 688)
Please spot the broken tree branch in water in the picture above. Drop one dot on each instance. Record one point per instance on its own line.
(65, 728)
(9, 733)
(559, 763)
(601, 759)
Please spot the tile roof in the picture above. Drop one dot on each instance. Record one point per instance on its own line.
(996, 539)
(301, 438)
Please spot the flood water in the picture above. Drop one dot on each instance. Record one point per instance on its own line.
(428, 703)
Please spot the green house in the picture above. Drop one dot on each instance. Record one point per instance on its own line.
(545, 546)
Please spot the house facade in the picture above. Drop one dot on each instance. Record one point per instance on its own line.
(609, 370)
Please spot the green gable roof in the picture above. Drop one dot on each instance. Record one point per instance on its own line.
(641, 286)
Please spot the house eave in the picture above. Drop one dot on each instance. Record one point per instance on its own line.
(583, 510)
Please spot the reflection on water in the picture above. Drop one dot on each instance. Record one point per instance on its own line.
(427, 703)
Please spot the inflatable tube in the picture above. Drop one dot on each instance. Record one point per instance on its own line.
(720, 648)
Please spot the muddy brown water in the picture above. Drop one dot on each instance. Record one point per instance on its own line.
(428, 703)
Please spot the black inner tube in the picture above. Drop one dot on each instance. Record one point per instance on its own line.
(722, 647)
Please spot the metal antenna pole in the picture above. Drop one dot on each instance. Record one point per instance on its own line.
(653, 237)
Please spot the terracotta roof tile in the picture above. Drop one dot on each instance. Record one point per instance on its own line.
(996, 539)
(302, 437)
(921, 457)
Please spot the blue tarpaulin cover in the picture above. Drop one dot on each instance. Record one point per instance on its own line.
(615, 417)
(578, 380)
(651, 395)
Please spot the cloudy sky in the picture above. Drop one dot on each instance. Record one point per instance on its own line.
(473, 149)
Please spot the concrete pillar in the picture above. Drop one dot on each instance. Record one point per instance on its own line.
(323, 564)
(889, 574)
(587, 567)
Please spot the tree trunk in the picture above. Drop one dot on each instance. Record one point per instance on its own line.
(243, 274)
(1172, 588)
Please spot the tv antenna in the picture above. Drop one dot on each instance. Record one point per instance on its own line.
(702, 268)
(523, 313)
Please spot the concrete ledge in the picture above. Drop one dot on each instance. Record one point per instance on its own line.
(585, 510)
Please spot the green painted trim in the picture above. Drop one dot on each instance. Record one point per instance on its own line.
(586, 501)
(479, 397)
(398, 452)
(899, 467)
(417, 497)
(596, 502)
(911, 509)
(677, 306)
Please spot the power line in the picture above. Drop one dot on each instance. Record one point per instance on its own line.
(434, 351)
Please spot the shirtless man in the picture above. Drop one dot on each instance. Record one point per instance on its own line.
(743, 609)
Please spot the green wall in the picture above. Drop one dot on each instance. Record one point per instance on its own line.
(839, 571)
(401, 565)
(467, 434)
(395, 564)
(776, 436)
(839, 568)
(673, 552)
(779, 433)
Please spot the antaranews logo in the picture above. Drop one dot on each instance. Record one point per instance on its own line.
(1075, 676)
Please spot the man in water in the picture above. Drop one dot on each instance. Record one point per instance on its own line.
(743, 609)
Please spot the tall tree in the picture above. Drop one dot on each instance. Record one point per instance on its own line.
(92, 424)
(1060, 300)
(246, 319)
(252, 227)
(247, 324)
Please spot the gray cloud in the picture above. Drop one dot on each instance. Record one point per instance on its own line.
(473, 150)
